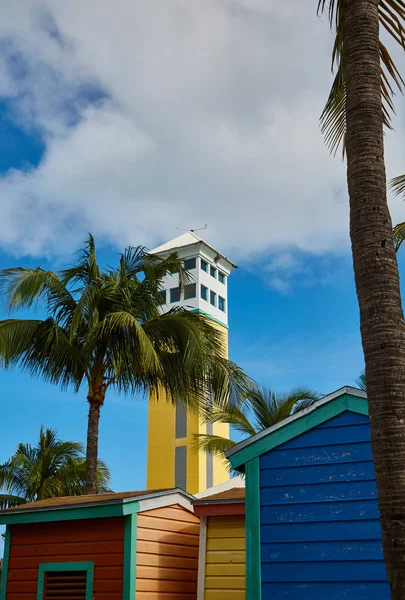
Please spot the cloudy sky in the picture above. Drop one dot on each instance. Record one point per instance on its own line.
(132, 119)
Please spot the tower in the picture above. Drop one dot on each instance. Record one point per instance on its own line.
(172, 460)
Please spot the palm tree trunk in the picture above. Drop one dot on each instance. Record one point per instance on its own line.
(92, 446)
(376, 275)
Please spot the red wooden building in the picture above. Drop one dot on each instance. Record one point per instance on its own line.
(102, 547)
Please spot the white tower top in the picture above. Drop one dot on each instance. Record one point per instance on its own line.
(207, 291)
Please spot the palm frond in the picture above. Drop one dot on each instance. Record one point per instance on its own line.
(212, 444)
(361, 382)
(333, 117)
(397, 185)
(9, 500)
(399, 235)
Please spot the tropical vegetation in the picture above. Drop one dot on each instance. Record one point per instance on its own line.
(104, 328)
(359, 106)
(49, 469)
(261, 409)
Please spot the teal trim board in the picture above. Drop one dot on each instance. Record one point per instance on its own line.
(202, 312)
(130, 557)
(66, 566)
(68, 514)
(298, 425)
(253, 554)
(4, 573)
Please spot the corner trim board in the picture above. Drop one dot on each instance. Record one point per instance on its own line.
(130, 535)
(202, 556)
(253, 553)
(4, 573)
(66, 566)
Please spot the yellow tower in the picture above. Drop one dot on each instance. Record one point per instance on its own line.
(172, 460)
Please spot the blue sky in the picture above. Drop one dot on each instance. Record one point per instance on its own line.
(130, 122)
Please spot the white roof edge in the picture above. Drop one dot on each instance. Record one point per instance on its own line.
(347, 389)
(229, 484)
(158, 494)
(189, 238)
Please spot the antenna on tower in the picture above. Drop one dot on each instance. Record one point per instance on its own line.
(193, 230)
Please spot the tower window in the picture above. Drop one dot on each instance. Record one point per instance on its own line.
(190, 291)
(204, 265)
(213, 298)
(175, 294)
(181, 420)
(204, 292)
(213, 272)
(162, 297)
(221, 303)
(221, 277)
(190, 263)
(180, 467)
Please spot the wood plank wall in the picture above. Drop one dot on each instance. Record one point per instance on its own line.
(98, 540)
(167, 554)
(225, 558)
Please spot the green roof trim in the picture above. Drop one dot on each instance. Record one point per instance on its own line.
(253, 551)
(297, 424)
(103, 510)
(130, 557)
(66, 566)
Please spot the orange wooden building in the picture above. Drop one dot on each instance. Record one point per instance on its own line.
(118, 546)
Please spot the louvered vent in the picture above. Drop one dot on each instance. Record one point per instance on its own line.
(65, 585)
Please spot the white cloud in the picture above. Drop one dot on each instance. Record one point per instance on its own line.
(159, 115)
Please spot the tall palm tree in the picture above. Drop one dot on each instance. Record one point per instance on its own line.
(261, 409)
(50, 469)
(104, 329)
(358, 107)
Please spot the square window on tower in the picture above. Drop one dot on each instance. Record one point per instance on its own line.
(204, 293)
(190, 291)
(204, 266)
(213, 298)
(221, 277)
(175, 294)
(190, 263)
(213, 272)
(221, 303)
(162, 297)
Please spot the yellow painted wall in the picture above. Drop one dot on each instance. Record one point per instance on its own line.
(225, 558)
(162, 443)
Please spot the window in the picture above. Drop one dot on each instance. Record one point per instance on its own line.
(175, 294)
(180, 467)
(204, 292)
(162, 297)
(213, 272)
(221, 277)
(204, 265)
(213, 298)
(181, 420)
(190, 291)
(57, 581)
(221, 303)
(189, 263)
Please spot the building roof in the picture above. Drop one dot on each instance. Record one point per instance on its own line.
(188, 238)
(229, 484)
(232, 495)
(95, 505)
(343, 399)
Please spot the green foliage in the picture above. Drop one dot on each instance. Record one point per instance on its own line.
(333, 118)
(361, 382)
(104, 328)
(50, 469)
(261, 408)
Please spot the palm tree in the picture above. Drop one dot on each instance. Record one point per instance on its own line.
(358, 107)
(50, 469)
(104, 329)
(397, 185)
(361, 382)
(261, 409)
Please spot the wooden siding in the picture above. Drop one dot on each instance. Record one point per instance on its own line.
(167, 554)
(320, 530)
(225, 558)
(98, 540)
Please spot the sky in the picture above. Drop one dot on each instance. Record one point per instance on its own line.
(133, 119)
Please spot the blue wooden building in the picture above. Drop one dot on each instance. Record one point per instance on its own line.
(312, 519)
